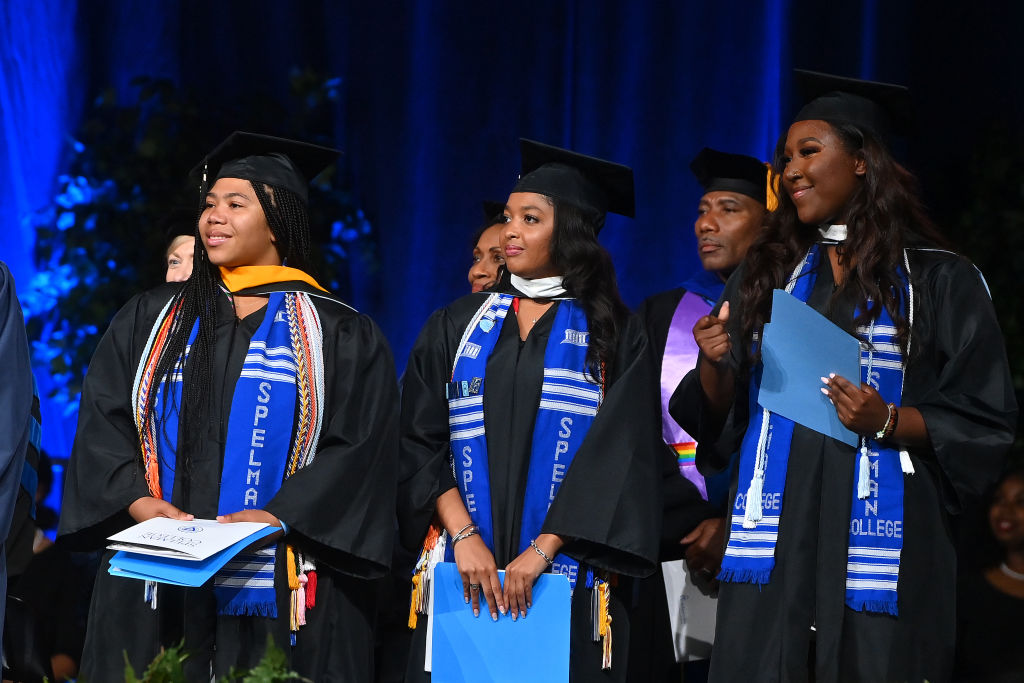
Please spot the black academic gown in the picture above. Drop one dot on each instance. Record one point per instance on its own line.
(338, 509)
(609, 503)
(652, 654)
(957, 376)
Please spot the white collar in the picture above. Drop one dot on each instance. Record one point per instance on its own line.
(833, 233)
(541, 288)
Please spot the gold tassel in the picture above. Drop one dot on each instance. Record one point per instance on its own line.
(293, 572)
(605, 625)
(771, 194)
(414, 601)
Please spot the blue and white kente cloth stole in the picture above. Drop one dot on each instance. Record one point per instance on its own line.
(258, 443)
(569, 402)
(876, 516)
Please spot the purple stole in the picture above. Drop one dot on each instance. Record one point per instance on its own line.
(679, 358)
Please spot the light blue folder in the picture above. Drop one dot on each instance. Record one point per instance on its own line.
(468, 649)
(178, 572)
(799, 347)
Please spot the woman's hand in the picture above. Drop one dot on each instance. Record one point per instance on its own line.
(522, 572)
(149, 507)
(860, 408)
(250, 516)
(710, 334)
(255, 516)
(479, 575)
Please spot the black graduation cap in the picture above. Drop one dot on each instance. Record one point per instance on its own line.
(882, 107)
(721, 171)
(492, 210)
(581, 180)
(275, 161)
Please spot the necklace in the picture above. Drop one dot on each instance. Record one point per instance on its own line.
(1009, 572)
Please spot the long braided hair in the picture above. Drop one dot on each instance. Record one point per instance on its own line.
(196, 300)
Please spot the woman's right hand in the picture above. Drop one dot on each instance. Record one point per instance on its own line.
(149, 507)
(710, 334)
(477, 568)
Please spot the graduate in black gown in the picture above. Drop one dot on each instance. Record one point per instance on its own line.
(602, 484)
(730, 214)
(16, 418)
(849, 548)
(319, 403)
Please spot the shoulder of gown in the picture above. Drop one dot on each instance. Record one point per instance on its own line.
(340, 506)
(105, 455)
(610, 502)
(423, 470)
(958, 375)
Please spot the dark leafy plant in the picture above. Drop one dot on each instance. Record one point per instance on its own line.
(168, 667)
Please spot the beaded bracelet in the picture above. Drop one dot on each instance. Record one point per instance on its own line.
(533, 544)
(890, 423)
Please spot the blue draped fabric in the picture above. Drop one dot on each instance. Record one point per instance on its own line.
(435, 94)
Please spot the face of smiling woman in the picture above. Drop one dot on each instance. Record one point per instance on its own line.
(526, 236)
(820, 175)
(234, 229)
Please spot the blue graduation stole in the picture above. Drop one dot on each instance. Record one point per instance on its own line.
(258, 441)
(876, 517)
(569, 402)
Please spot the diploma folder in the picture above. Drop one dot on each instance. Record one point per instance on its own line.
(799, 347)
(180, 553)
(467, 649)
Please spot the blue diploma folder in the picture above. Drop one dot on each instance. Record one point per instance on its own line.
(469, 649)
(177, 572)
(799, 347)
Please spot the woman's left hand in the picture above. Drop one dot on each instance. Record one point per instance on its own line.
(520, 575)
(250, 516)
(860, 408)
(255, 516)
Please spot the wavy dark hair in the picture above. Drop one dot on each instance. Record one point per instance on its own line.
(288, 219)
(589, 276)
(884, 215)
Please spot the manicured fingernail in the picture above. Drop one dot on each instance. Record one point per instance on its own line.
(824, 380)
(467, 600)
(824, 391)
(502, 610)
(832, 375)
(476, 612)
(494, 616)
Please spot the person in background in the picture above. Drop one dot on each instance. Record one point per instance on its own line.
(16, 420)
(51, 588)
(179, 258)
(731, 214)
(990, 603)
(487, 257)
(840, 564)
(244, 336)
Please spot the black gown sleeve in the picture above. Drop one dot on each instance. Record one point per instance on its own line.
(717, 440)
(424, 469)
(610, 503)
(105, 474)
(959, 379)
(684, 507)
(340, 506)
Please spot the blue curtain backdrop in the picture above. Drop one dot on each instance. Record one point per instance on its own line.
(435, 94)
